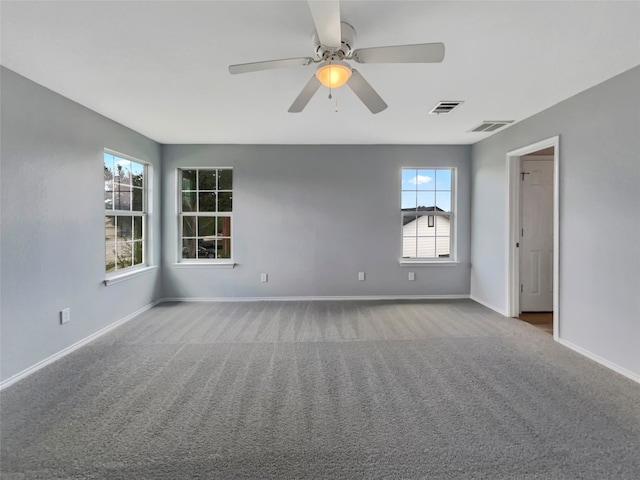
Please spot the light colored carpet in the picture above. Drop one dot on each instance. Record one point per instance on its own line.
(434, 390)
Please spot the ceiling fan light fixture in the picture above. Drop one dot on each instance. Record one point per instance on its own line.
(333, 74)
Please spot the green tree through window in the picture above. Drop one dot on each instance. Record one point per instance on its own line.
(125, 213)
(206, 206)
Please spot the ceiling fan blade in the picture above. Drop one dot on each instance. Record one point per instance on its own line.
(365, 92)
(326, 18)
(418, 53)
(305, 95)
(270, 64)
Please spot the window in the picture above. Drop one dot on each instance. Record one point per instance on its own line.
(427, 207)
(125, 220)
(206, 205)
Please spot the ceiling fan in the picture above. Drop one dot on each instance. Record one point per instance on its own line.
(333, 46)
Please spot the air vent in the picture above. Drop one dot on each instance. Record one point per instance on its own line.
(491, 125)
(445, 107)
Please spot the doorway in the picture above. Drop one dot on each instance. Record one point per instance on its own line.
(533, 254)
(536, 232)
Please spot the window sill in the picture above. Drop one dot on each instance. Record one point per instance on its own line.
(428, 263)
(127, 275)
(230, 264)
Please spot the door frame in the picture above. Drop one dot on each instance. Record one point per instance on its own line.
(513, 227)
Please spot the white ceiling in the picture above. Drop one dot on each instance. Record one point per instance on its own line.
(160, 68)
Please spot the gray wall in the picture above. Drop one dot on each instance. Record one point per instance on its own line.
(599, 216)
(312, 217)
(52, 250)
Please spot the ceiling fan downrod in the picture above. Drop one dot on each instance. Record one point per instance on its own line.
(343, 52)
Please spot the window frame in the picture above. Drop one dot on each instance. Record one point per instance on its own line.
(203, 262)
(139, 268)
(452, 259)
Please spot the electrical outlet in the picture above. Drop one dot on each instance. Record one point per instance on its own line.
(65, 315)
(412, 276)
(361, 276)
(264, 277)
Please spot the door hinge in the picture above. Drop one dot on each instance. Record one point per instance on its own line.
(521, 288)
(517, 244)
(522, 174)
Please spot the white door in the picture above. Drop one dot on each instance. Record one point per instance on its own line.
(536, 246)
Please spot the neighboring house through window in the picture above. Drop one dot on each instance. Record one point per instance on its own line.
(427, 207)
(125, 202)
(206, 206)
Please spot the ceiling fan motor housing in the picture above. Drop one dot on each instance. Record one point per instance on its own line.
(348, 37)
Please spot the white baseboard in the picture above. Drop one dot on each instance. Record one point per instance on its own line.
(602, 361)
(488, 305)
(66, 351)
(313, 299)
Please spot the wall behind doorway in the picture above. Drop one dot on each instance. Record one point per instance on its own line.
(599, 184)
